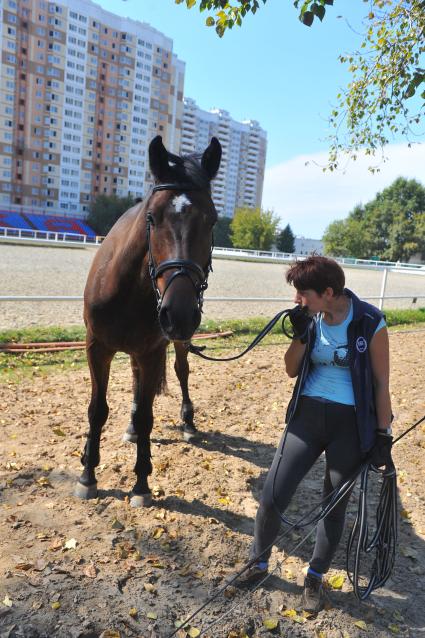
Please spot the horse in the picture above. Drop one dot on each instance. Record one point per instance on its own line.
(144, 290)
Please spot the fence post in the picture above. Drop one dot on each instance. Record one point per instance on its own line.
(383, 287)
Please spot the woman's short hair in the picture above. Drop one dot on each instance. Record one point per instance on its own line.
(317, 273)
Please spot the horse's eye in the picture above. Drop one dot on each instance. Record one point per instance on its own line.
(149, 219)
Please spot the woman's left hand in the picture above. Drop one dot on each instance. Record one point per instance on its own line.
(381, 452)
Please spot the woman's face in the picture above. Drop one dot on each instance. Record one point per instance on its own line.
(312, 300)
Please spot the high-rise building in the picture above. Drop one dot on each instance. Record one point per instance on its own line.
(240, 179)
(82, 92)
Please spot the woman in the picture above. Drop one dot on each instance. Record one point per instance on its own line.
(341, 406)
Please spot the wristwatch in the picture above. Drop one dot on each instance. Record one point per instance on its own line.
(387, 431)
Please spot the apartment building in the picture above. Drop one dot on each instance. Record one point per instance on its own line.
(240, 179)
(82, 92)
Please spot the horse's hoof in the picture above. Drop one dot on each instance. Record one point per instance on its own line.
(85, 492)
(190, 433)
(141, 500)
(130, 437)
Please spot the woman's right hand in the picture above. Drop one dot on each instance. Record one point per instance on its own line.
(300, 321)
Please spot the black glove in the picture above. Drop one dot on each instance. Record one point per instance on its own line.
(300, 321)
(381, 452)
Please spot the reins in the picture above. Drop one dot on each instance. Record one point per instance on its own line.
(198, 350)
(383, 542)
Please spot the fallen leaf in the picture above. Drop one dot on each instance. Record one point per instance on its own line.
(58, 432)
(7, 601)
(43, 481)
(110, 633)
(116, 524)
(158, 532)
(90, 571)
(133, 612)
(289, 613)
(55, 605)
(152, 615)
(271, 623)
(24, 567)
(225, 500)
(394, 629)
(361, 625)
(336, 581)
(149, 587)
(71, 544)
(193, 632)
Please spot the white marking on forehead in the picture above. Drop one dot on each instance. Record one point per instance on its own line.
(180, 202)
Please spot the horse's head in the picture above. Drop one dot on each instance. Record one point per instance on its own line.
(179, 221)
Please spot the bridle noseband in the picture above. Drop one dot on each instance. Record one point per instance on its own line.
(184, 267)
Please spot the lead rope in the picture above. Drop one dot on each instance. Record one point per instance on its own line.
(384, 540)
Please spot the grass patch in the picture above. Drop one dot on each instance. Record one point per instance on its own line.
(43, 334)
(16, 367)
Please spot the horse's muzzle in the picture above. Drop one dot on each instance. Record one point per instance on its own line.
(179, 314)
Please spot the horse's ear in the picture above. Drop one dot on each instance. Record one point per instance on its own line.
(211, 158)
(158, 159)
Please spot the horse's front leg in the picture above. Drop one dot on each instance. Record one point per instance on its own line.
(151, 376)
(130, 434)
(99, 359)
(181, 366)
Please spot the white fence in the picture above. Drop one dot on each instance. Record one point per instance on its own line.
(46, 236)
(33, 236)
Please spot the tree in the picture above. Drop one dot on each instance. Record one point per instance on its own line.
(106, 210)
(386, 71)
(222, 231)
(253, 228)
(285, 240)
(391, 226)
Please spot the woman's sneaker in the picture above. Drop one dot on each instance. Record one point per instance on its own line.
(251, 576)
(314, 597)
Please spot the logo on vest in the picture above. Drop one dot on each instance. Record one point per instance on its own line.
(361, 344)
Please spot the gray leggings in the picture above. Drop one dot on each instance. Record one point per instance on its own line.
(316, 427)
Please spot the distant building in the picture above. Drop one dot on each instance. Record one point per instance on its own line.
(305, 246)
(83, 91)
(240, 179)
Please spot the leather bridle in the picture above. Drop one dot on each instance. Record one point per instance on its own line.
(184, 267)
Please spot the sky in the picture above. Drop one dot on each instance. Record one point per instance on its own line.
(285, 75)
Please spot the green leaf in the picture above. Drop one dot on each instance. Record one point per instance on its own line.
(307, 18)
(318, 10)
(190, 3)
(210, 22)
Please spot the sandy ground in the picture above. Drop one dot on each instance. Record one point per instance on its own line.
(100, 568)
(31, 270)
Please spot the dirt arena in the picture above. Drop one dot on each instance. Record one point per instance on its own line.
(102, 569)
(31, 270)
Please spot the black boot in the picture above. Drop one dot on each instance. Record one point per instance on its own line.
(314, 597)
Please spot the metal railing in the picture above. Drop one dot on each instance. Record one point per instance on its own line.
(225, 253)
(30, 235)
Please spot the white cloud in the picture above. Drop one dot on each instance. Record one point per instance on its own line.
(309, 199)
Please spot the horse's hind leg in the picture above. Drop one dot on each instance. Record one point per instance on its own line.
(152, 373)
(181, 366)
(130, 434)
(99, 360)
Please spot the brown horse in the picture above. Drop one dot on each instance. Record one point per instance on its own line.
(144, 290)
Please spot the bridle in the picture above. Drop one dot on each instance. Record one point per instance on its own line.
(184, 267)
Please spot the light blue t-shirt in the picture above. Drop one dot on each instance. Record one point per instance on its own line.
(329, 376)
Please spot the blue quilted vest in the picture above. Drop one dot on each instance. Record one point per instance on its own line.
(359, 333)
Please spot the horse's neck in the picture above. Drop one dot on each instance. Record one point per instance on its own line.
(134, 249)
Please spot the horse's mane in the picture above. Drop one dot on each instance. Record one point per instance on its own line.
(188, 168)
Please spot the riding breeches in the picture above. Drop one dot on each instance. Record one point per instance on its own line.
(317, 426)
